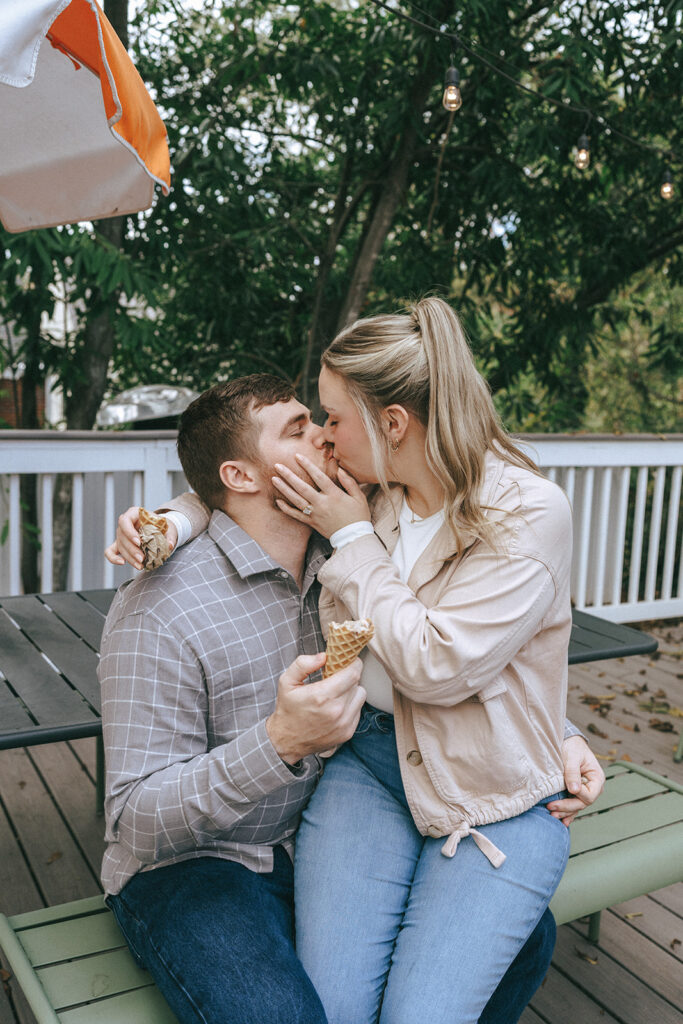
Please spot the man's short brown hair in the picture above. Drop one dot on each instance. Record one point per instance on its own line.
(219, 426)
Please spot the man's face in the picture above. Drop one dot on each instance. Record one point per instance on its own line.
(286, 429)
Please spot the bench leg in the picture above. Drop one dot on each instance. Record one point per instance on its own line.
(99, 777)
(594, 928)
(678, 756)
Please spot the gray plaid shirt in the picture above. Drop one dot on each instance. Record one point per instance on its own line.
(191, 655)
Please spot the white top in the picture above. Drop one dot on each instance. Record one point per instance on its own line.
(415, 534)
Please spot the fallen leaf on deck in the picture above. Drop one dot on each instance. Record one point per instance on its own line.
(625, 757)
(660, 726)
(590, 699)
(53, 857)
(660, 694)
(596, 732)
(638, 913)
(674, 943)
(584, 956)
(604, 757)
(656, 707)
(22, 784)
(636, 692)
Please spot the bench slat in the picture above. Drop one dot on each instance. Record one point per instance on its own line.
(144, 1006)
(92, 977)
(600, 878)
(65, 940)
(626, 821)
(622, 789)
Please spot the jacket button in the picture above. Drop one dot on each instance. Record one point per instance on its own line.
(434, 831)
(415, 757)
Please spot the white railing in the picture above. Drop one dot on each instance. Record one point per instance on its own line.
(626, 497)
(625, 492)
(110, 471)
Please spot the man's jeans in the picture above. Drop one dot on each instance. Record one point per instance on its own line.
(388, 928)
(218, 940)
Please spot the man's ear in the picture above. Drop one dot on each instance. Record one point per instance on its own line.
(239, 477)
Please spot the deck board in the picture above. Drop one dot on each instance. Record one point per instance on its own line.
(47, 805)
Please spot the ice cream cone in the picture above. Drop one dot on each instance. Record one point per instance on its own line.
(155, 546)
(345, 641)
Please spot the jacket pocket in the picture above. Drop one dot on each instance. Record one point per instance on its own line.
(472, 750)
(493, 689)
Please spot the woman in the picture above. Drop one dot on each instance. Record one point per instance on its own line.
(428, 833)
(427, 855)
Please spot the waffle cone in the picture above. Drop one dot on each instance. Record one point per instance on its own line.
(345, 641)
(155, 547)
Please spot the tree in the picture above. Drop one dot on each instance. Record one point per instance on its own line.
(317, 176)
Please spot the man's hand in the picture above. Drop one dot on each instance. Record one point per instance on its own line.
(126, 547)
(312, 717)
(583, 777)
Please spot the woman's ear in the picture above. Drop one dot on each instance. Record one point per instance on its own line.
(395, 420)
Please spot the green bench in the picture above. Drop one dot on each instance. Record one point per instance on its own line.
(73, 965)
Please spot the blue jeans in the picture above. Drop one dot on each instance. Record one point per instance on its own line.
(218, 939)
(388, 928)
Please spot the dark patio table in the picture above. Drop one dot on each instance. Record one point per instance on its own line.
(49, 646)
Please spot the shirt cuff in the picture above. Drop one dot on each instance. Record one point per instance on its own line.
(571, 730)
(182, 525)
(256, 767)
(351, 532)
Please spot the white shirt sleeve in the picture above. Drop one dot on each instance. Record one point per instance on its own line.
(182, 525)
(348, 533)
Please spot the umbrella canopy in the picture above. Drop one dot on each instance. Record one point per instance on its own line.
(81, 137)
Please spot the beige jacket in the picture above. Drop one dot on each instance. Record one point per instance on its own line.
(475, 644)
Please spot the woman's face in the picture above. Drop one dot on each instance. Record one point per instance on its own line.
(344, 429)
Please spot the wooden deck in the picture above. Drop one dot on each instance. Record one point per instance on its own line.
(51, 846)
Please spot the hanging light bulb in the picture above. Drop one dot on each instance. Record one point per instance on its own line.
(452, 100)
(583, 153)
(666, 190)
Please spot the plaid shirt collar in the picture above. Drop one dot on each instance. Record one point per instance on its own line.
(248, 557)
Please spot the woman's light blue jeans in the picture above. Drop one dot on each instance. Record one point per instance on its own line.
(390, 930)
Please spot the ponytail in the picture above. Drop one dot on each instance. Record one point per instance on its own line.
(421, 360)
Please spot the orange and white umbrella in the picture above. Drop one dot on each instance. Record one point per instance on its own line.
(80, 135)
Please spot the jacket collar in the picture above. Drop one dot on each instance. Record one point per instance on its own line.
(443, 546)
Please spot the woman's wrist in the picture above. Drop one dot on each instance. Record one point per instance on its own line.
(350, 532)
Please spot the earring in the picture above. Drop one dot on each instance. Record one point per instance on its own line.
(395, 446)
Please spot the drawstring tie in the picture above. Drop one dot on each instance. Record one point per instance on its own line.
(489, 849)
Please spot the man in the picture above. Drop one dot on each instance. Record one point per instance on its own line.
(212, 731)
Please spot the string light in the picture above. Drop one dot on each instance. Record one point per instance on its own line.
(583, 153)
(452, 97)
(582, 156)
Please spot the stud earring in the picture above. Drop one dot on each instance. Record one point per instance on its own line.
(395, 446)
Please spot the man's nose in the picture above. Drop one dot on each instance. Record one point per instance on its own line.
(318, 436)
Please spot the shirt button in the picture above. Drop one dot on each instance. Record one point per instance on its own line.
(434, 831)
(415, 757)
(284, 575)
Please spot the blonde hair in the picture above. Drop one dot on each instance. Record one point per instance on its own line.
(421, 360)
